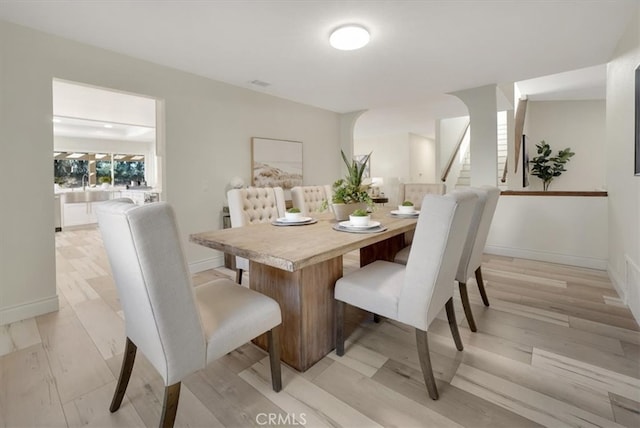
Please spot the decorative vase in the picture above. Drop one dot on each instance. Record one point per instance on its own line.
(342, 211)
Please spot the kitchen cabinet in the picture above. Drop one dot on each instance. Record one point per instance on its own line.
(79, 213)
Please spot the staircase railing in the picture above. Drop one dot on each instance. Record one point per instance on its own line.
(445, 173)
(521, 112)
(504, 171)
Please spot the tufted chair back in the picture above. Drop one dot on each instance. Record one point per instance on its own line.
(415, 192)
(309, 198)
(255, 205)
(251, 206)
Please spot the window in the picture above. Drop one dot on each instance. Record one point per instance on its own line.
(72, 169)
(126, 169)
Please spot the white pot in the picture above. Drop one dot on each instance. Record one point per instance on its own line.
(342, 211)
(292, 216)
(406, 209)
(362, 220)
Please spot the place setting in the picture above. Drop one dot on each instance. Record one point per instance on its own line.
(359, 222)
(405, 210)
(293, 217)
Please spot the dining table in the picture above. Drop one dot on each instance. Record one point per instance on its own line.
(298, 265)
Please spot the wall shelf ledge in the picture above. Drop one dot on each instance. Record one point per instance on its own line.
(594, 193)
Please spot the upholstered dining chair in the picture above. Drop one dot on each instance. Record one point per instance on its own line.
(253, 205)
(471, 258)
(310, 199)
(414, 294)
(415, 192)
(178, 327)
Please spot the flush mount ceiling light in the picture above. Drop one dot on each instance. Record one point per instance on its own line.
(349, 37)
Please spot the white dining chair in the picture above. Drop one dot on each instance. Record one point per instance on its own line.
(253, 205)
(414, 294)
(178, 327)
(415, 192)
(471, 258)
(310, 199)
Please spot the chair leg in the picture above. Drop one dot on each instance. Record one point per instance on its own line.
(239, 276)
(467, 306)
(170, 405)
(128, 359)
(425, 363)
(273, 337)
(480, 282)
(453, 325)
(339, 328)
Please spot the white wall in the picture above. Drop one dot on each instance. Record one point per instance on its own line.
(622, 185)
(422, 155)
(483, 146)
(208, 131)
(579, 125)
(556, 229)
(390, 159)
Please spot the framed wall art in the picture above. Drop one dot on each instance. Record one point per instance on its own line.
(276, 163)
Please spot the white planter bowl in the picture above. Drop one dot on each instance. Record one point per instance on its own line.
(359, 220)
(292, 216)
(406, 209)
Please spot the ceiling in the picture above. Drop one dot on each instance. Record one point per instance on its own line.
(419, 50)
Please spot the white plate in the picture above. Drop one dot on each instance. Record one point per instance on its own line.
(397, 212)
(298, 220)
(347, 224)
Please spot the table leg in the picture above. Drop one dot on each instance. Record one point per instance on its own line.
(384, 250)
(306, 301)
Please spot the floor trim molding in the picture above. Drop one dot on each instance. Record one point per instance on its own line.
(206, 264)
(23, 311)
(544, 256)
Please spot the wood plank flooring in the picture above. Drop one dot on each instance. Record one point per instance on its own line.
(556, 348)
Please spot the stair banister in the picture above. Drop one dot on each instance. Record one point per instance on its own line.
(519, 128)
(445, 173)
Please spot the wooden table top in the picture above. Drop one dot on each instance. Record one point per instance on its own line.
(294, 247)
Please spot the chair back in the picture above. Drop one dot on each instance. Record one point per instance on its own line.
(471, 257)
(435, 255)
(415, 192)
(154, 285)
(309, 199)
(255, 205)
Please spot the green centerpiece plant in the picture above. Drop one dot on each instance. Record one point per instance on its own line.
(350, 190)
(360, 213)
(547, 167)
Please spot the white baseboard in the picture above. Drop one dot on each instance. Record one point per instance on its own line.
(544, 256)
(618, 283)
(206, 264)
(632, 287)
(24, 311)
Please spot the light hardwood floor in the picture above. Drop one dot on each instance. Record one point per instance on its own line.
(556, 348)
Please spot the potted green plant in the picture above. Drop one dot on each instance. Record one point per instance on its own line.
(293, 214)
(348, 193)
(547, 167)
(406, 207)
(359, 217)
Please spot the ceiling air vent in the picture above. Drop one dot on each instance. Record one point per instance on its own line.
(260, 83)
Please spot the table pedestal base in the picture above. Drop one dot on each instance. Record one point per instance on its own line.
(308, 308)
(306, 301)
